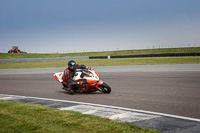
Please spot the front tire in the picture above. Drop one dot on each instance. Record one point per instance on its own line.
(105, 88)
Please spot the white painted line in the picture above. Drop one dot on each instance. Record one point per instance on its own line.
(132, 117)
(115, 107)
(12, 98)
(113, 114)
(90, 112)
(5, 98)
(65, 108)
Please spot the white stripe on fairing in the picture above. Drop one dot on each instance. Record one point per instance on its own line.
(114, 107)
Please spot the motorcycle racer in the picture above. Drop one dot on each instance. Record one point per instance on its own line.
(68, 83)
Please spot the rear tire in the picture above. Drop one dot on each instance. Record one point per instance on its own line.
(105, 88)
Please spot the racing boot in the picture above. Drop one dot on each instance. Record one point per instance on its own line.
(70, 90)
(83, 82)
(79, 90)
(64, 88)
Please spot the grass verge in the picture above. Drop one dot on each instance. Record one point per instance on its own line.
(19, 117)
(107, 53)
(106, 62)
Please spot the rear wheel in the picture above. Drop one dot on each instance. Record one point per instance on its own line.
(105, 88)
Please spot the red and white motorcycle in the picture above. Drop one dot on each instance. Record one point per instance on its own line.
(91, 80)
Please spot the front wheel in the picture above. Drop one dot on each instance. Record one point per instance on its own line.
(105, 88)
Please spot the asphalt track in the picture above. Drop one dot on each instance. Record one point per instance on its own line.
(171, 89)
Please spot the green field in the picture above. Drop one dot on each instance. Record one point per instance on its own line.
(25, 118)
(109, 53)
(106, 62)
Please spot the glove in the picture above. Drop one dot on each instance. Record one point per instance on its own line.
(89, 68)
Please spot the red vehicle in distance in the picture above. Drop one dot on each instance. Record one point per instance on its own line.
(14, 50)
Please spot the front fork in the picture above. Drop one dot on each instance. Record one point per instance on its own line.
(98, 84)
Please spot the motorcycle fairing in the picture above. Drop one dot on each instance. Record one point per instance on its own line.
(58, 76)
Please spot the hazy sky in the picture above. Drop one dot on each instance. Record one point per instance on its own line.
(95, 25)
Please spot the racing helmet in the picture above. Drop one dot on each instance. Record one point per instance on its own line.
(72, 65)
